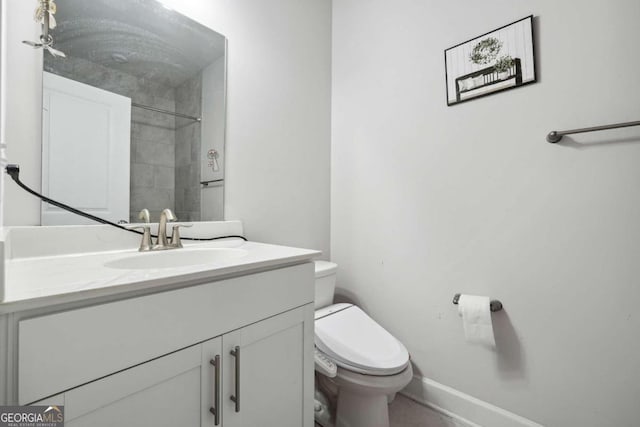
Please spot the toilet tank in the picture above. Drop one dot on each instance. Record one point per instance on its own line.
(325, 283)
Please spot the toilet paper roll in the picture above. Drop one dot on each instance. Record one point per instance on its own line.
(476, 319)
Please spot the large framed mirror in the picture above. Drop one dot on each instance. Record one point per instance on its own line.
(134, 116)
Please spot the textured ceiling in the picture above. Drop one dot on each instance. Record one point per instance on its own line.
(139, 37)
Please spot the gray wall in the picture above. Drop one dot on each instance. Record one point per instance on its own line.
(430, 200)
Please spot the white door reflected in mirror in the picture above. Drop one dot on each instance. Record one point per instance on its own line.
(86, 133)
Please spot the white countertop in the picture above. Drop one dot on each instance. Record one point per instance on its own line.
(34, 282)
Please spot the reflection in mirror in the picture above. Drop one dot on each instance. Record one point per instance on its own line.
(134, 116)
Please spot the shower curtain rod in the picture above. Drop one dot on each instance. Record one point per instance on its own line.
(158, 110)
(555, 136)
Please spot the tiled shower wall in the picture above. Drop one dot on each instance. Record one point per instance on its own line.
(153, 144)
(188, 100)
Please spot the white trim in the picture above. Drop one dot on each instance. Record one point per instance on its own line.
(462, 407)
(3, 105)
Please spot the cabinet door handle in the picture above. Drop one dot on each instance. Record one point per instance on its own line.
(215, 409)
(236, 399)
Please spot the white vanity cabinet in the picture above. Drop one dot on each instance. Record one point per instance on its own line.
(146, 361)
(186, 389)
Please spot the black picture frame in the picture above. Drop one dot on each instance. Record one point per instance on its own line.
(493, 62)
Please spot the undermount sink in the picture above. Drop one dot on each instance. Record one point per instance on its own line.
(176, 258)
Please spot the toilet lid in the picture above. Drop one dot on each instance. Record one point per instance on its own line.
(356, 342)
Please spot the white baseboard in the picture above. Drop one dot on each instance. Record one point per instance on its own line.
(462, 407)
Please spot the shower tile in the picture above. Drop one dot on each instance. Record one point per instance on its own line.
(192, 198)
(182, 177)
(142, 175)
(154, 153)
(145, 132)
(154, 199)
(179, 196)
(164, 177)
(194, 175)
(188, 96)
(182, 151)
(195, 144)
(145, 117)
(182, 215)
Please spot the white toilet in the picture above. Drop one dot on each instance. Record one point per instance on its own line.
(371, 364)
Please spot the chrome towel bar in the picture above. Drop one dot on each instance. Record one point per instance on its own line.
(555, 135)
(494, 305)
(171, 113)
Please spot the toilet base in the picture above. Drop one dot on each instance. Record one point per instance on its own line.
(362, 410)
(322, 408)
(361, 400)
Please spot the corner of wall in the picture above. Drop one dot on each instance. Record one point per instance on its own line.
(3, 61)
(20, 130)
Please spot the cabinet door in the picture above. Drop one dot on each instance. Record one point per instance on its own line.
(86, 133)
(268, 380)
(168, 391)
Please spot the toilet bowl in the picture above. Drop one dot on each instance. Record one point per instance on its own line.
(372, 365)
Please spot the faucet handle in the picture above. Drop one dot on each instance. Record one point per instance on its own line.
(145, 243)
(175, 235)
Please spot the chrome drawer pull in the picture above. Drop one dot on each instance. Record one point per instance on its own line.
(236, 399)
(216, 390)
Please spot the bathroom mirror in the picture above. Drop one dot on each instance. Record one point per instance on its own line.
(134, 116)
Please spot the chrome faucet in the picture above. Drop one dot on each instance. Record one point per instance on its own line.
(162, 242)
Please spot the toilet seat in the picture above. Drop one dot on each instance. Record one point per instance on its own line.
(356, 342)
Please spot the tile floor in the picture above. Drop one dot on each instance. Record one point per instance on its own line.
(404, 412)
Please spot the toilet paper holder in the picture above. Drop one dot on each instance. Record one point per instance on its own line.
(494, 305)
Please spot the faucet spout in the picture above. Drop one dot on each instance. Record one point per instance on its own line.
(165, 216)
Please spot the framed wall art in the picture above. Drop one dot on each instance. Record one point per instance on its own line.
(493, 62)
